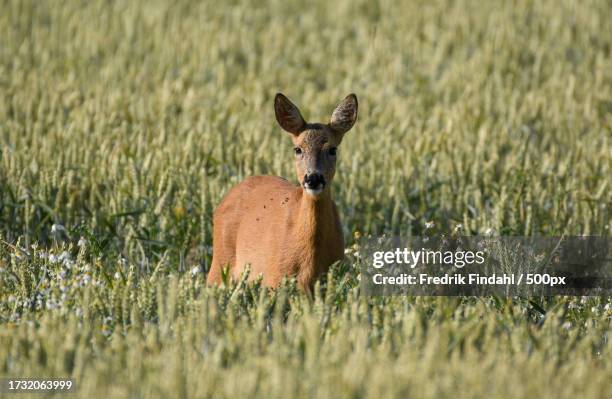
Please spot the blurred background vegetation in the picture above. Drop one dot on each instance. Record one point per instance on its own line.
(124, 124)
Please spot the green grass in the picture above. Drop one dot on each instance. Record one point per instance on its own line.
(127, 122)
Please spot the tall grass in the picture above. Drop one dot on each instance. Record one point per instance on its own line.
(124, 124)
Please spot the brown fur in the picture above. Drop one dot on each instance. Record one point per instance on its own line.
(280, 229)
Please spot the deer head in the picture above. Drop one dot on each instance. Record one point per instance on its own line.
(315, 144)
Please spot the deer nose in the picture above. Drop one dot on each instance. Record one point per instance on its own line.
(314, 181)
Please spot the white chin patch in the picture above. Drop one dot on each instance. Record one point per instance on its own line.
(314, 192)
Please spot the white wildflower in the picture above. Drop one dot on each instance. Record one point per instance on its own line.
(56, 228)
(68, 263)
(430, 225)
(196, 270)
(64, 257)
(82, 242)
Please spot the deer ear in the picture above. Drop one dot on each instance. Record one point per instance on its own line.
(344, 116)
(288, 115)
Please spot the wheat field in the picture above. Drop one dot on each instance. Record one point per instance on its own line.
(123, 124)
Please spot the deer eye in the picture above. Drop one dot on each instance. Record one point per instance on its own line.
(333, 151)
(298, 151)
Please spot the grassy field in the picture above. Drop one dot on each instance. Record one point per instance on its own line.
(123, 124)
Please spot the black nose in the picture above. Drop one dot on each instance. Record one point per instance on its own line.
(314, 180)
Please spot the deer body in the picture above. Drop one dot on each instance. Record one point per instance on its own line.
(280, 229)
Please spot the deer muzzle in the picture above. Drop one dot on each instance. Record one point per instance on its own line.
(314, 183)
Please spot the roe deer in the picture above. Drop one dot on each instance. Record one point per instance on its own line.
(280, 229)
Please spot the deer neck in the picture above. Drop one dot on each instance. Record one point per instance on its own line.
(315, 216)
(315, 221)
